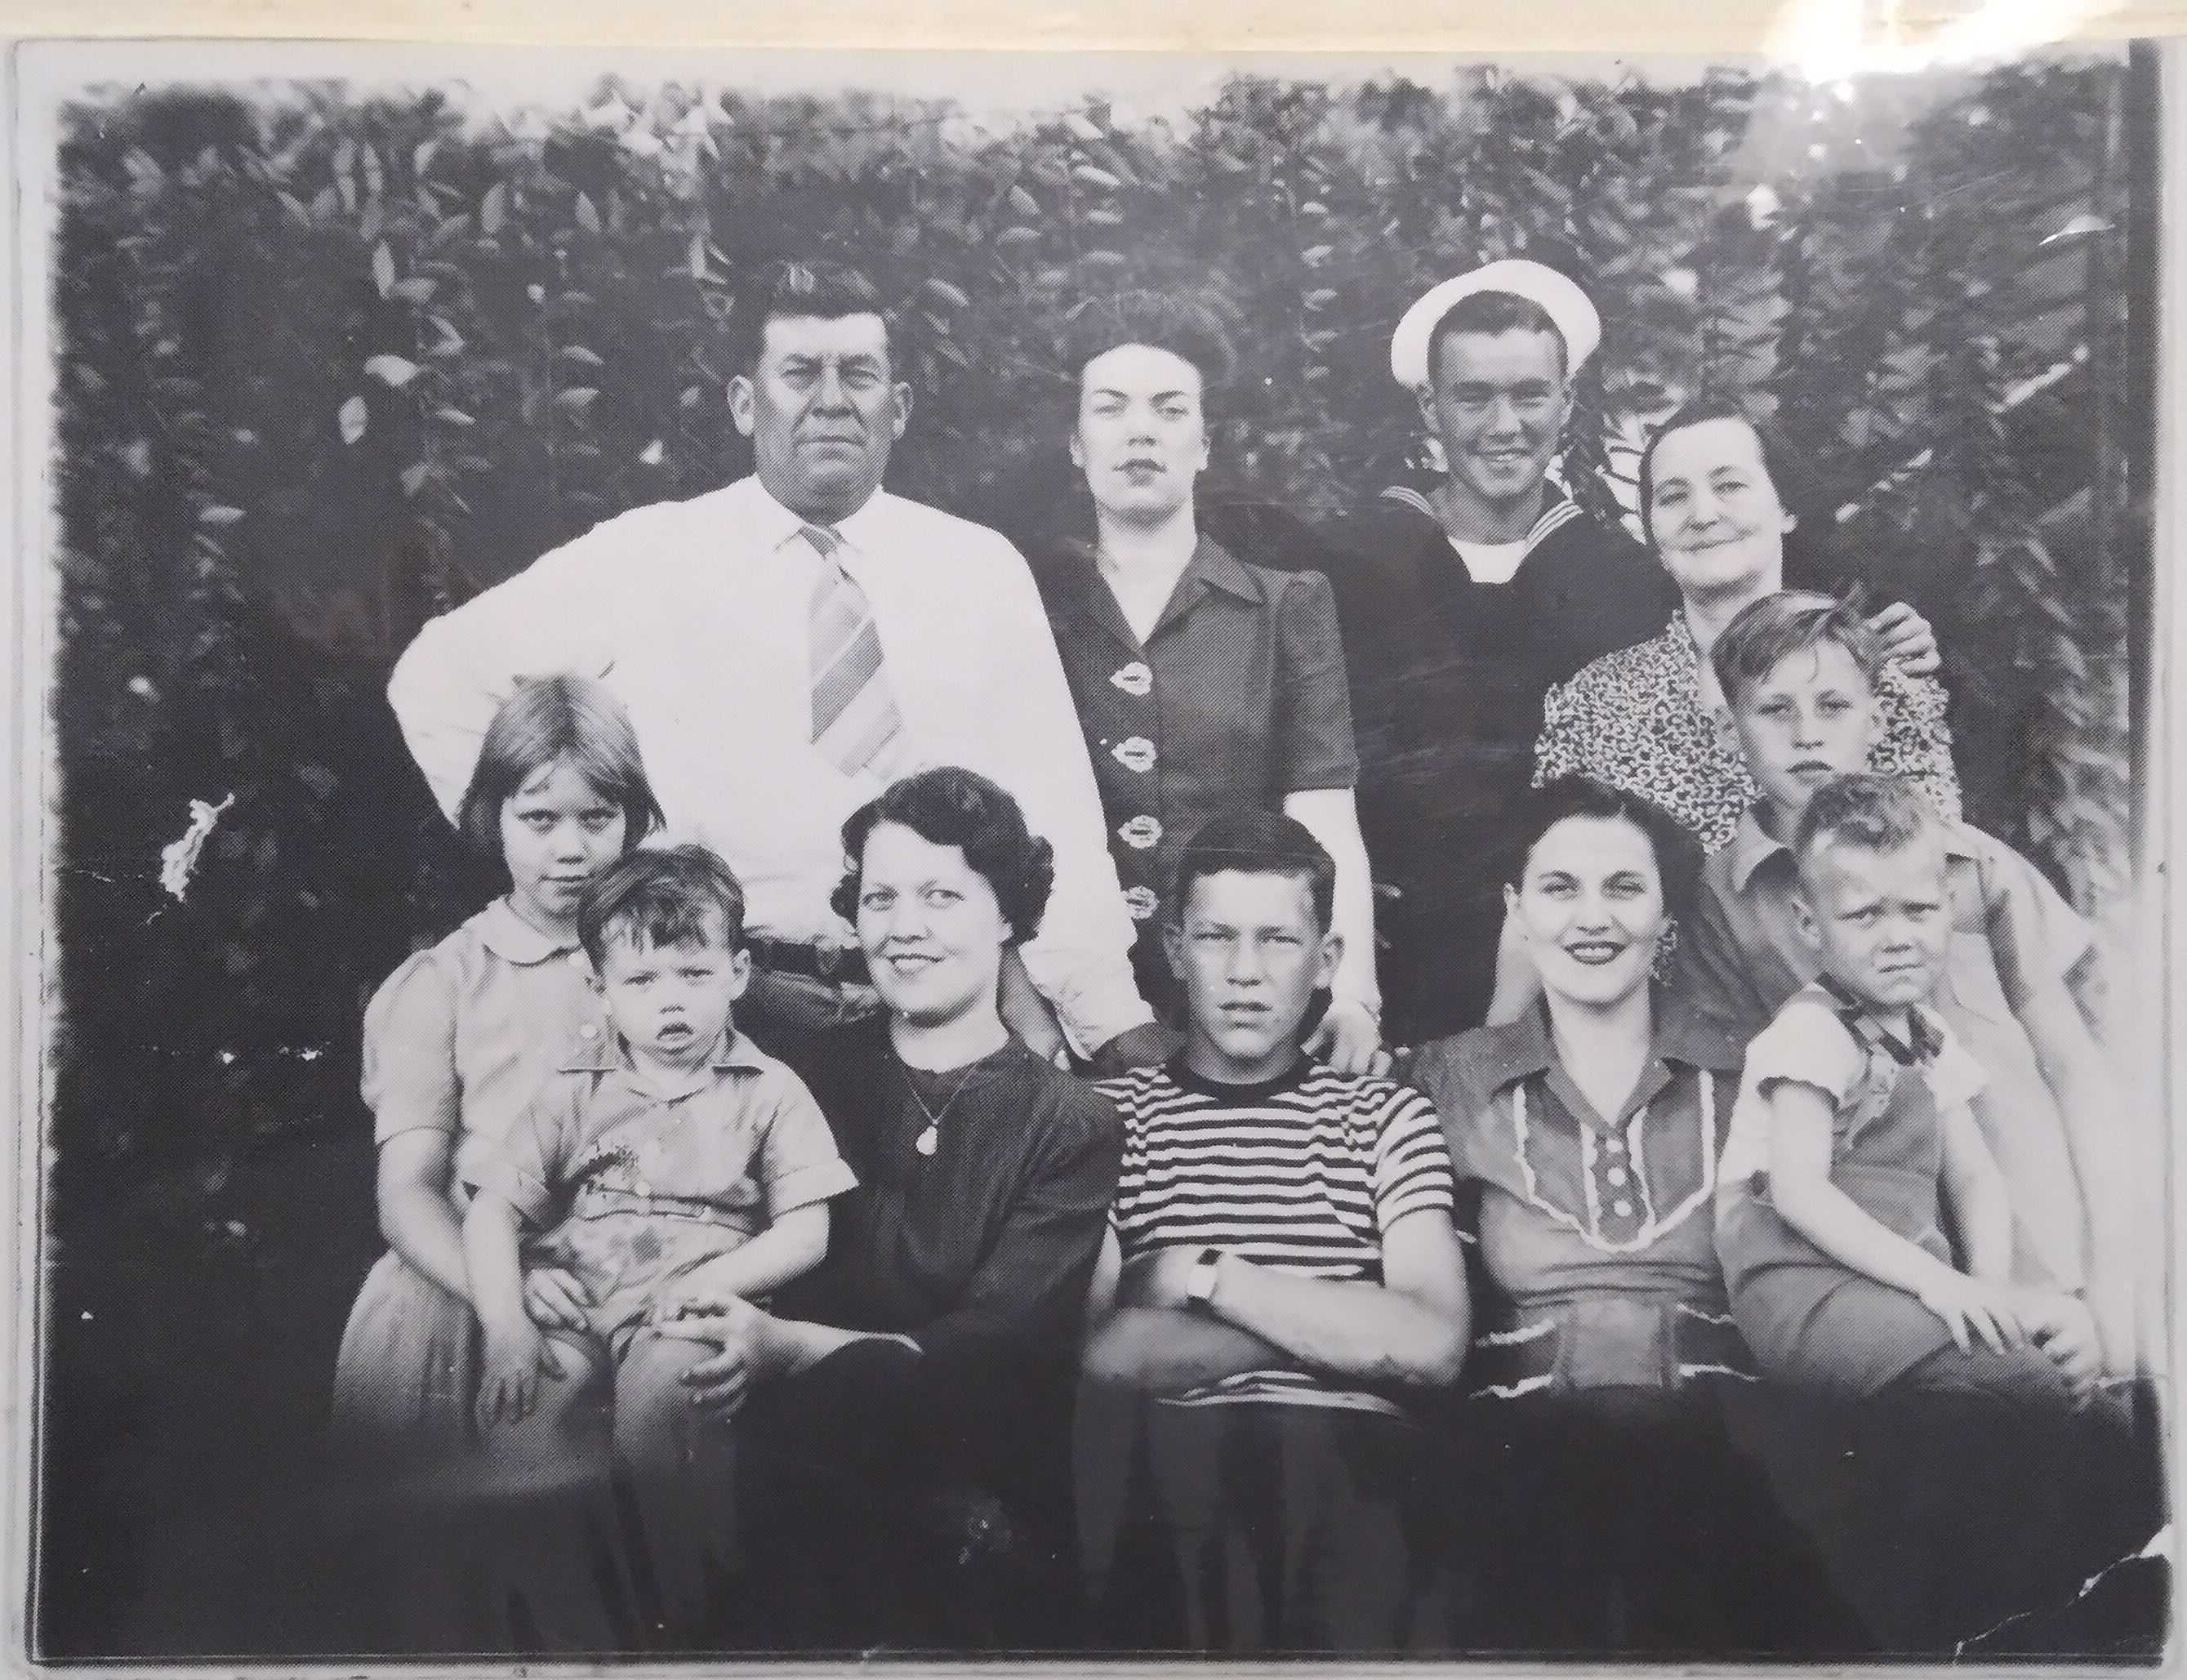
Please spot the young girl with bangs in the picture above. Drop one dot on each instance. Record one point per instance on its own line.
(457, 1042)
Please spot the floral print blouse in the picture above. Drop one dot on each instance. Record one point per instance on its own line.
(1635, 719)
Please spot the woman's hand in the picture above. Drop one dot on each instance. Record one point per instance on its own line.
(508, 1378)
(1349, 1038)
(1908, 641)
(1972, 1308)
(745, 1351)
(554, 1300)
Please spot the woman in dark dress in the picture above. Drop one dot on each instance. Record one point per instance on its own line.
(903, 1413)
(1203, 683)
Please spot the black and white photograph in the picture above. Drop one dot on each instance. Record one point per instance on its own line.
(1079, 855)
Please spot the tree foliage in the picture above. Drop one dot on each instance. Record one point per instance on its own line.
(327, 366)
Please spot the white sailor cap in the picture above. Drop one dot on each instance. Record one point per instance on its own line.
(1559, 299)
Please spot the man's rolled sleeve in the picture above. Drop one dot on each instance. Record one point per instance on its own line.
(549, 618)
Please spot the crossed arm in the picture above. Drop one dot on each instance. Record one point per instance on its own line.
(1411, 1328)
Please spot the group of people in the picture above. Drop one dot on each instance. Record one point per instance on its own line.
(1454, 1084)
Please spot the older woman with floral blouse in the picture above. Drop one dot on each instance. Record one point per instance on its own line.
(1641, 718)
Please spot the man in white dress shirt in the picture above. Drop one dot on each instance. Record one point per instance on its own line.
(788, 645)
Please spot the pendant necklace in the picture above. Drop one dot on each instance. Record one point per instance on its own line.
(930, 1139)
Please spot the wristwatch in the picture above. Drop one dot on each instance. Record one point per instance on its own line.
(1200, 1282)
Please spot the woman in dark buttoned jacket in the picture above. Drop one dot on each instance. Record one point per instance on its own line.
(1203, 683)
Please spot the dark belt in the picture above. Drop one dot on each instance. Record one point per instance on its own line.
(1607, 1341)
(839, 965)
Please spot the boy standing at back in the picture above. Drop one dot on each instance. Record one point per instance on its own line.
(1797, 673)
(1280, 1271)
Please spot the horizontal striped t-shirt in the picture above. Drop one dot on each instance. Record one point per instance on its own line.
(1300, 1174)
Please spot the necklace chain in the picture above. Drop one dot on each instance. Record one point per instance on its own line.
(933, 1117)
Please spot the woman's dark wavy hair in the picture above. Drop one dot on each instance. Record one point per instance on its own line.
(1798, 489)
(1678, 852)
(959, 807)
(1184, 326)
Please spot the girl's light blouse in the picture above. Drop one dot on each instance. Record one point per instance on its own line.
(461, 1036)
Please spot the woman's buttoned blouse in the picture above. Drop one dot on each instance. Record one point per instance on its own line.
(1574, 1202)
(1237, 697)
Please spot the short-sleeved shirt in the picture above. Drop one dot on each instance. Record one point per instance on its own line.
(1237, 698)
(2011, 936)
(1576, 1203)
(1635, 719)
(1886, 1154)
(640, 1187)
(461, 1037)
(1302, 1173)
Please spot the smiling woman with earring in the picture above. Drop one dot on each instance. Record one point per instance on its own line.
(906, 1409)
(1585, 1136)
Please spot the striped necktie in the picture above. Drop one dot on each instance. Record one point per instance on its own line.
(856, 724)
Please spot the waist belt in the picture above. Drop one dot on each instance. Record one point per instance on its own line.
(1609, 1341)
(594, 1201)
(842, 964)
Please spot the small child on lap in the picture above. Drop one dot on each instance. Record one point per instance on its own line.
(677, 1159)
(1853, 1145)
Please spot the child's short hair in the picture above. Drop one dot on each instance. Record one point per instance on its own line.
(1767, 630)
(1258, 843)
(672, 896)
(1880, 814)
(1678, 852)
(546, 720)
(950, 806)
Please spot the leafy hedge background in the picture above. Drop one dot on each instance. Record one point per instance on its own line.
(326, 366)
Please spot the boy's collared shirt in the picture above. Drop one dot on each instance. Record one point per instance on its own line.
(2011, 936)
(626, 1166)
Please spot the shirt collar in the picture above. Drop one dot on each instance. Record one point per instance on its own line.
(1213, 564)
(1558, 510)
(774, 525)
(1523, 1049)
(1926, 1034)
(732, 1050)
(514, 940)
(1752, 846)
(1210, 567)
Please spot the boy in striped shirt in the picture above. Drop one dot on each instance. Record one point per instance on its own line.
(1280, 1271)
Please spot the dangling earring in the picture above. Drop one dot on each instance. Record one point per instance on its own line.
(1667, 946)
